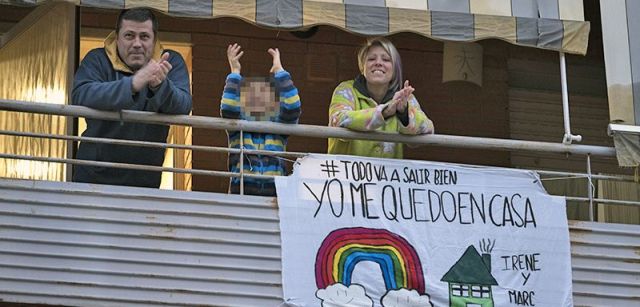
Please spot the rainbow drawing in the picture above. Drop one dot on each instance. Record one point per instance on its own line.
(343, 248)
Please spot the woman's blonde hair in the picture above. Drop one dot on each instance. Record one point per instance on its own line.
(396, 81)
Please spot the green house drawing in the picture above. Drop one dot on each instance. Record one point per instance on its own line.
(470, 280)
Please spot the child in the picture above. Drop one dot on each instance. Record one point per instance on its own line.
(255, 99)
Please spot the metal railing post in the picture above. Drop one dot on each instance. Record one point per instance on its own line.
(241, 162)
(590, 188)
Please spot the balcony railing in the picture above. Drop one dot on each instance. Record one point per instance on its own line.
(451, 141)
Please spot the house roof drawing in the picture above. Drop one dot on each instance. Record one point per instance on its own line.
(470, 269)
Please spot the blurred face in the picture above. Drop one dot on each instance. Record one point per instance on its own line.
(378, 67)
(135, 43)
(259, 100)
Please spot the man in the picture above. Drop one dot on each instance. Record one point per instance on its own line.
(131, 72)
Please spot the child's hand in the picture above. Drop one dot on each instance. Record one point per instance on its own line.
(277, 65)
(233, 55)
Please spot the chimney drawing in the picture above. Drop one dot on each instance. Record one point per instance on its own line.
(486, 246)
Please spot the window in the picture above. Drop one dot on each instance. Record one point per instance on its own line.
(456, 290)
(459, 290)
(481, 291)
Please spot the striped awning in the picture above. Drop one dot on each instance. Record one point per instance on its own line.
(621, 40)
(547, 24)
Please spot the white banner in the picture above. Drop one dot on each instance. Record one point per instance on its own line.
(378, 232)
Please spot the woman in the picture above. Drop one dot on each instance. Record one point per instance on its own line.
(376, 101)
